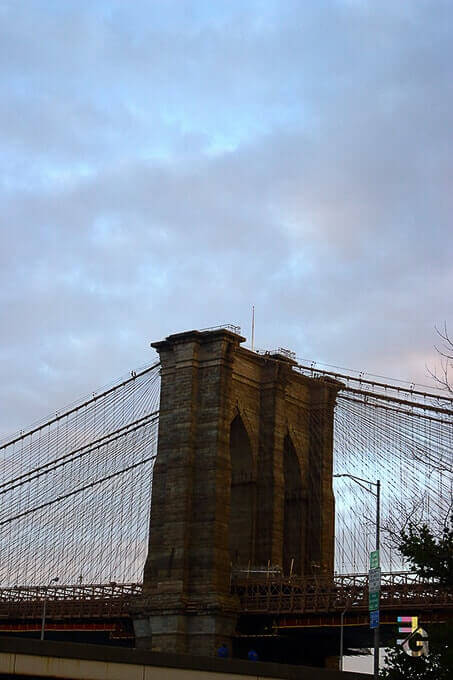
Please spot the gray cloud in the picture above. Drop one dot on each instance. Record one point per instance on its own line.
(165, 168)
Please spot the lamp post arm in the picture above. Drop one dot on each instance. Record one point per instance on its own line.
(359, 480)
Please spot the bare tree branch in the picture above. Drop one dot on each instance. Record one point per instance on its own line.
(443, 374)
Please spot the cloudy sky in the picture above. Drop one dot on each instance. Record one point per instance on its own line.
(166, 164)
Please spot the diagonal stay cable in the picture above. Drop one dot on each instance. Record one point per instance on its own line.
(396, 400)
(77, 453)
(76, 491)
(93, 399)
(394, 409)
(374, 383)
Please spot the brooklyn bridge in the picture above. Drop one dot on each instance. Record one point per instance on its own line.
(223, 494)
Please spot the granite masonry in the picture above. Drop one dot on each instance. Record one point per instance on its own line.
(242, 480)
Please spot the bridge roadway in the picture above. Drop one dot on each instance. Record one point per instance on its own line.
(291, 602)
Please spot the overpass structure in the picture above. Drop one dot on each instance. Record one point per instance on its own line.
(41, 660)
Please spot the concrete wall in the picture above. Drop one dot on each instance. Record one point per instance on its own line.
(35, 659)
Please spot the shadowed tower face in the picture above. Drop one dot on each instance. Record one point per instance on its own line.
(243, 477)
(294, 511)
(242, 495)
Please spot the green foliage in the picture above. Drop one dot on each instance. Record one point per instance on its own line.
(400, 666)
(429, 555)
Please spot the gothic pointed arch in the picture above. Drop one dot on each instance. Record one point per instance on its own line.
(294, 511)
(242, 495)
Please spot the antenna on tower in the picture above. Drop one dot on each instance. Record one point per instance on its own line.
(253, 328)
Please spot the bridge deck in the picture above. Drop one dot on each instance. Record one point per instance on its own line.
(257, 595)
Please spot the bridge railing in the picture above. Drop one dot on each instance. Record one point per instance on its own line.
(105, 600)
(224, 326)
(329, 594)
(257, 593)
(77, 591)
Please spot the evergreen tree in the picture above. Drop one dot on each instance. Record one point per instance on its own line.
(400, 666)
(430, 556)
(437, 666)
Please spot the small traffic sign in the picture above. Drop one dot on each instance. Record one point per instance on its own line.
(373, 601)
(374, 580)
(374, 619)
(374, 559)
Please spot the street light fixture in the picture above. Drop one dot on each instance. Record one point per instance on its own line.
(43, 622)
(377, 494)
(341, 638)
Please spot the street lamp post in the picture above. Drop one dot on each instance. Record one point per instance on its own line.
(377, 495)
(341, 639)
(43, 622)
(378, 531)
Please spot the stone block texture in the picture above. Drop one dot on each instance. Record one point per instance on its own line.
(243, 478)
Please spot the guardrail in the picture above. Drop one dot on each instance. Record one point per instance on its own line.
(284, 595)
(257, 593)
(224, 326)
(104, 600)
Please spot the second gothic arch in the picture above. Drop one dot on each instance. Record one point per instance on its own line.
(242, 495)
(294, 510)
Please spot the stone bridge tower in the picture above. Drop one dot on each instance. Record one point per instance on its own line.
(243, 477)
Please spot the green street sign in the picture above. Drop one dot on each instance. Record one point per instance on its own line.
(374, 559)
(373, 601)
